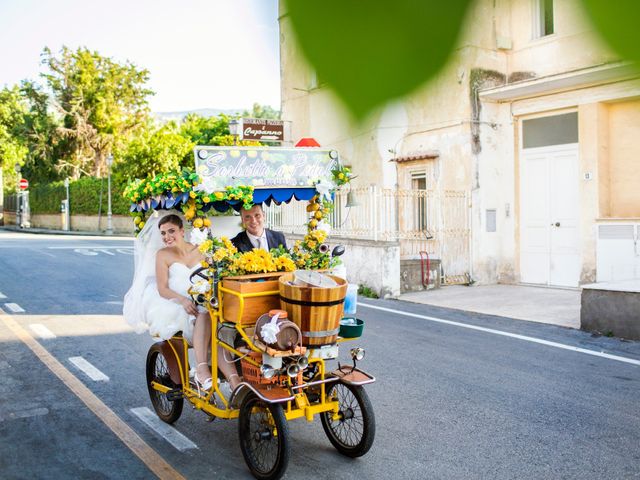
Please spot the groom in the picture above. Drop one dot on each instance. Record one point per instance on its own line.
(255, 235)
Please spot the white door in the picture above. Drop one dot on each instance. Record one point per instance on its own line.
(549, 221)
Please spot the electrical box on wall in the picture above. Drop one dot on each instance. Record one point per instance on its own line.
(618, 257)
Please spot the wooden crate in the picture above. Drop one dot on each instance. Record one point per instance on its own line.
(253, 306)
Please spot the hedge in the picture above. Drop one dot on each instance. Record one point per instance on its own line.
(84, 197)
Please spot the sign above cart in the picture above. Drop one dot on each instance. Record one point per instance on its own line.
(262, 129)
(219, 167)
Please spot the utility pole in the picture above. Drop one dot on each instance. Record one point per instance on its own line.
(109, 224)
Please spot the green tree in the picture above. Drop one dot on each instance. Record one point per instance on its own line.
(12, 148)
(206, 130)
(155, 149)
(101, 103)
(262, 111)
(212, 131)
(39, 134)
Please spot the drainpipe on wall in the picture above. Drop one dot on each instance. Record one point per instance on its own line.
(470, 219)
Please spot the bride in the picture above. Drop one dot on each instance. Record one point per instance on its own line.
(158, 300)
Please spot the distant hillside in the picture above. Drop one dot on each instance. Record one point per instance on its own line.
(203, 112)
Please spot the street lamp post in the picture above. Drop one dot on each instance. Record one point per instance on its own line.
(17, 168)
(234, 125)
(66, 222)
(109, 224)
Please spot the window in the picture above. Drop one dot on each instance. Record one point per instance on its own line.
(419, 187)
(553, 130)
(543, 18)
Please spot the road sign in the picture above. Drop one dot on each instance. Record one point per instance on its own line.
(24, 184)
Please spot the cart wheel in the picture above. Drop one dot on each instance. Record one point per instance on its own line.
(353, 432)
(158, 371)
(264, 438)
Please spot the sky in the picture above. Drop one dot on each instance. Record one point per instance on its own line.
(200, 53)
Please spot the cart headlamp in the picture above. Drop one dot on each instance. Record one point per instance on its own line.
(267, 371)
(293, 370)
(303, 362)
(357, 353)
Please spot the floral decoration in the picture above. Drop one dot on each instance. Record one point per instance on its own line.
(180, 190)
(184, 191)
(223, 256)
(341, 175)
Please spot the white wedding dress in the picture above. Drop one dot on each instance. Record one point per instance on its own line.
(144, 309)
(166, 317)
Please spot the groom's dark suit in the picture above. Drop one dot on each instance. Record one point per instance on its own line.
(274, 240)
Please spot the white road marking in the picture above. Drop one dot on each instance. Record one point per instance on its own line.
(42, 331)
(92, 372)
(94, 250)
(169, 433)
(43, 253)
(507, 334)
(24, 414)
(73, 247)
(2, 295)
(85, 251)
(103, 250)
(14, 307)
(115, 302)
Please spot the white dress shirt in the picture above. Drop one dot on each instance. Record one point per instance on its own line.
(259, 242)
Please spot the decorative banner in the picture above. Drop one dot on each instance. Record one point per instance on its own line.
(219, 167)
(262, 129)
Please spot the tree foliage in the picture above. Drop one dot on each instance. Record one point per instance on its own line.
(101, 103)
(39, 134)
(154, 149)
(262, 111)
(12, 148)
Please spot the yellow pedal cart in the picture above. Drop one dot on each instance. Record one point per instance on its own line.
(281, 381)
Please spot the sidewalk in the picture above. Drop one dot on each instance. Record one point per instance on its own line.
(537, 304)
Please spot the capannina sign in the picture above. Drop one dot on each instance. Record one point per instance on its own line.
(219, 167)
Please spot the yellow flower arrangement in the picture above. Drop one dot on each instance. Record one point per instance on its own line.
(224, 256)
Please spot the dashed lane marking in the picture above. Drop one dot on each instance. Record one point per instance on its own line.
(33, 412)
(152, 459)
(92, 372)
(507, 334)
(42, 331)
(169, 433)
(14, 307)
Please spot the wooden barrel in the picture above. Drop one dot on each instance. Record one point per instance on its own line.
(316, 311)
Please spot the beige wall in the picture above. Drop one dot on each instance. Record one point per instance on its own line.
(624, 159)
(498, 46)
(572, 45)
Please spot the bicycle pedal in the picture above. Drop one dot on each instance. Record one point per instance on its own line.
(174, 394)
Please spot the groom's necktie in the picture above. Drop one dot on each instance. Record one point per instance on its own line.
(262, 243)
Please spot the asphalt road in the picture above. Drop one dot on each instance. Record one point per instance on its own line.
(458, 395)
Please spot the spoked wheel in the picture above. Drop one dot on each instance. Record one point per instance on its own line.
(158, 371)
(352, 433)
(264, 438)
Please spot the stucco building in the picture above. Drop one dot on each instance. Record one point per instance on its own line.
(534, 122)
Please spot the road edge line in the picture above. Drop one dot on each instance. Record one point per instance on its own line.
(507, 334)
(158, 465)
